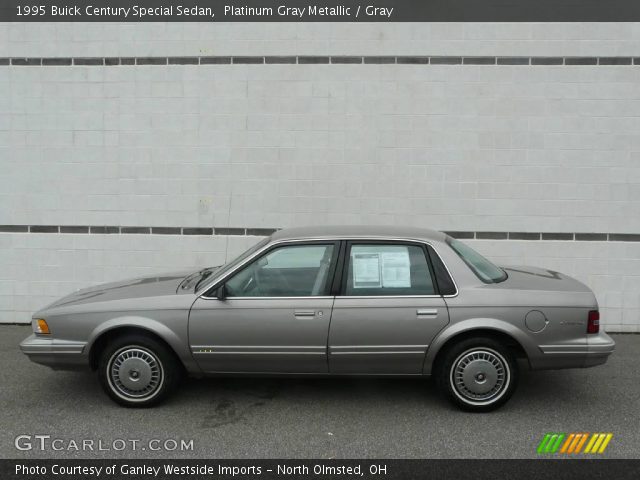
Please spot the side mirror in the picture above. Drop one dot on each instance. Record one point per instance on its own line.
(221, 292)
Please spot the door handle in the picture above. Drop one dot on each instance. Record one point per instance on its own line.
(427, 312)
(304, 313)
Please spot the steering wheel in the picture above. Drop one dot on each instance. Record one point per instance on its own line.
(275, 284)
(252, 282)
(246, 285)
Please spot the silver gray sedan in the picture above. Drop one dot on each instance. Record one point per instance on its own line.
(329, 301)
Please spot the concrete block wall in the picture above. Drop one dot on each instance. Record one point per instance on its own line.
(478, 148)
(148, 39)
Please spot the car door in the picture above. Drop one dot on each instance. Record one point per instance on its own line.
(274, 315)
(388, 310)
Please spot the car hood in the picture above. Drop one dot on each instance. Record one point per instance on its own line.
(533, 278)
(148, 286)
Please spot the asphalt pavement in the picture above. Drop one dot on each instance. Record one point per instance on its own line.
(311, 418)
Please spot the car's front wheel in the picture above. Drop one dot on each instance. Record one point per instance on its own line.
(138, 371)
(478, 374)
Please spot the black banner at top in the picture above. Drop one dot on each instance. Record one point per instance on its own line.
(320, 11)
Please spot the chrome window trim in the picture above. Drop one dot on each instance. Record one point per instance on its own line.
(352, 297)
(216, 281)
(305, 297)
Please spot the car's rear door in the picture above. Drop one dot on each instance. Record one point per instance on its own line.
(275, 315)
(388, 310)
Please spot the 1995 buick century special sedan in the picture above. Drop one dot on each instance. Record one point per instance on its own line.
(329, 301)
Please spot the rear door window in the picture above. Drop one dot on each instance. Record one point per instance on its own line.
(380, 269)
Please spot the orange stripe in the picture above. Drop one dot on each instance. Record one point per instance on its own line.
(567, 442)
(584, 439)
(575, 442)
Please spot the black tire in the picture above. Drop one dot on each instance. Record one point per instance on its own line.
(143, 359)
(477, 374)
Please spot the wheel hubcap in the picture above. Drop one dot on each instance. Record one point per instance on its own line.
(135, 373)
(480, 375)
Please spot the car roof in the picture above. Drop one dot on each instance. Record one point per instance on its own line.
(358, 231)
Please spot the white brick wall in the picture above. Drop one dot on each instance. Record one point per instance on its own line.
(496, 148)
(144, 39)
(453, 147)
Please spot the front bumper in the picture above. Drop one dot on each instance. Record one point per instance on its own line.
(54, 353)
(594, 351)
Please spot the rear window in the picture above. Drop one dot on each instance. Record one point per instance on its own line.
(483, 268)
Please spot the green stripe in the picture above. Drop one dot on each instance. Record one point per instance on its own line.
(543, 443)
(550, 443)
(558, 442)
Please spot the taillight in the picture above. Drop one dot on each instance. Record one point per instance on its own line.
(593, 325)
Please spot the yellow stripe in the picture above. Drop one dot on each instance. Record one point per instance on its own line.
(584, 439)
(567, 442)
(594, 449)
(574, 443)
(591, 442)
(607, 439)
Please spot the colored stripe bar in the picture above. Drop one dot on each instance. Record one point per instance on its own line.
(581, 442)
(596, 445)
(555, 447)
(572, 443)
(543, 443)
(593, 439)
(551, 443)
(567, 443)
(576, 439)
(606, 441)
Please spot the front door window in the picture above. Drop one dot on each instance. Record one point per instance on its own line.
(288, 271)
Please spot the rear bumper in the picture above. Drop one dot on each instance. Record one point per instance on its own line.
(600, 347)
(594, 351)
(57, 354)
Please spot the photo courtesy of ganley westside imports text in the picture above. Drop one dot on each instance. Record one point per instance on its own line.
(167, 469)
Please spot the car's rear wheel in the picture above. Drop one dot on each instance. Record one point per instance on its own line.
(478, 374)
(138, 371)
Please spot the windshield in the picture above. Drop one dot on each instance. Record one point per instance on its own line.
(483, 268)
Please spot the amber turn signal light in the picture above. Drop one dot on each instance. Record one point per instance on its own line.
(40, 326)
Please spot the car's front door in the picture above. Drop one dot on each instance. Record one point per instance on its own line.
(388, 311)
(274, 315)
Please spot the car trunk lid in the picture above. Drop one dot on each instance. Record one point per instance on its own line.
(533, 278)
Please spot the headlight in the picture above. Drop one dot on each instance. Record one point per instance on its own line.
(40, 326)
